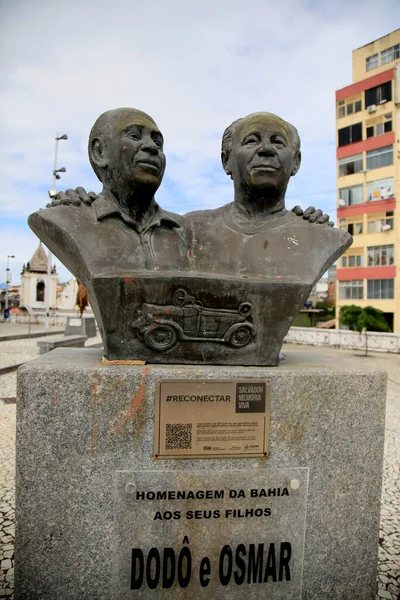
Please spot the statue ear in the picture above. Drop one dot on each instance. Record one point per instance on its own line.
(225, 161)
(98, 153)
(296, 163)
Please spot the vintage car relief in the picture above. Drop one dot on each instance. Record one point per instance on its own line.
(160, 327)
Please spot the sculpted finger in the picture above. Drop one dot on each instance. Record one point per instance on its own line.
(323, 219)
(83, 195)
(74, 198)
(309, 211)
(61, 198)
(297, 210)
(315, 216)
(331, 224)
(92, 196)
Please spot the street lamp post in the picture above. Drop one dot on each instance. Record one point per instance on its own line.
(52, 193)
(8, 281)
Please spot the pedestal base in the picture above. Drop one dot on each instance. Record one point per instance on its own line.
(79, 422)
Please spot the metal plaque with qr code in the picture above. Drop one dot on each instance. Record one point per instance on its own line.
(212, 418)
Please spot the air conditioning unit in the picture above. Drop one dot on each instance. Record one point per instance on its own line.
(371, 108)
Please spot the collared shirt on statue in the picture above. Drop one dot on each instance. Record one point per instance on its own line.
(160, 244)
(102, 241)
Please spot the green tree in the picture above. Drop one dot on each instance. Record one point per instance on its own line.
(363, 319)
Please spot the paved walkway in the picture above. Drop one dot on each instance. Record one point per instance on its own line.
(388, 578)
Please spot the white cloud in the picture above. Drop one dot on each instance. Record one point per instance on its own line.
(194, 67)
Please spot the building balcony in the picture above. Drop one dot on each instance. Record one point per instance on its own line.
(373, 143)
(365, 84)
(374, 206)
(351, 273)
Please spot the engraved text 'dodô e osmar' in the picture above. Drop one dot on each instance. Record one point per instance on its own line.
(160, 327)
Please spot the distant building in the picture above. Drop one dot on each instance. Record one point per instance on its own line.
(368, 179)
(66, 295)
(319, 292)
(13, 298)
(332, 286)
(34, 281)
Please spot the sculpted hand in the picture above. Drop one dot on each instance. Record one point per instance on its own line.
(313, 215)
(73, 198)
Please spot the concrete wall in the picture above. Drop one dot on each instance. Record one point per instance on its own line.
(342, 338)
(59, 320)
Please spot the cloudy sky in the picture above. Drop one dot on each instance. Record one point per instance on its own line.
(193, 66)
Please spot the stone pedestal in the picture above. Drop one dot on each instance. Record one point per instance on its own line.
(79, 423)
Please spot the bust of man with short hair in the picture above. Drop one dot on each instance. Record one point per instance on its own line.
(125, 229)
(255, 236)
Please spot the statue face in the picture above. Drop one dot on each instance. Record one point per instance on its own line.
(135, 151)
(262, 155)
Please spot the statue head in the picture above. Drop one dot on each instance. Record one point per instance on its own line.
(126, 150)
(260, 153)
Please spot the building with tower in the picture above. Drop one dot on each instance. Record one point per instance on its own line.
(34, 281)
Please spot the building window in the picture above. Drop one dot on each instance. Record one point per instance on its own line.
(379, 94)
(382, 157)
(350, 165)
(381, 189)
(380, 256)
(381, 225)
(356, 260)
(355, 228)
(371, 62)
(380, 289)
(40, 291)
(349, 108)
(352, 195)
(379, 129)
(343, 261)
(390, 54)
(387, 126)
(350, 134)
(357, 106)
(388, 222)
(351, 290)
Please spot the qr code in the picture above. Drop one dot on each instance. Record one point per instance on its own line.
(178, 436)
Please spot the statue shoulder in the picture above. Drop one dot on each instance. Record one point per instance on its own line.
(60, 218)
(63, 229)
(206, 217)
(316, 231)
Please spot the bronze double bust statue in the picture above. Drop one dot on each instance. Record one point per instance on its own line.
(210, 287)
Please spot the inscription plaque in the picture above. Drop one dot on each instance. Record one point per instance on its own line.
(194, 534)
(212, 418)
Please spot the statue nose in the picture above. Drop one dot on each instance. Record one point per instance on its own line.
(149, 145)
(266, 148)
